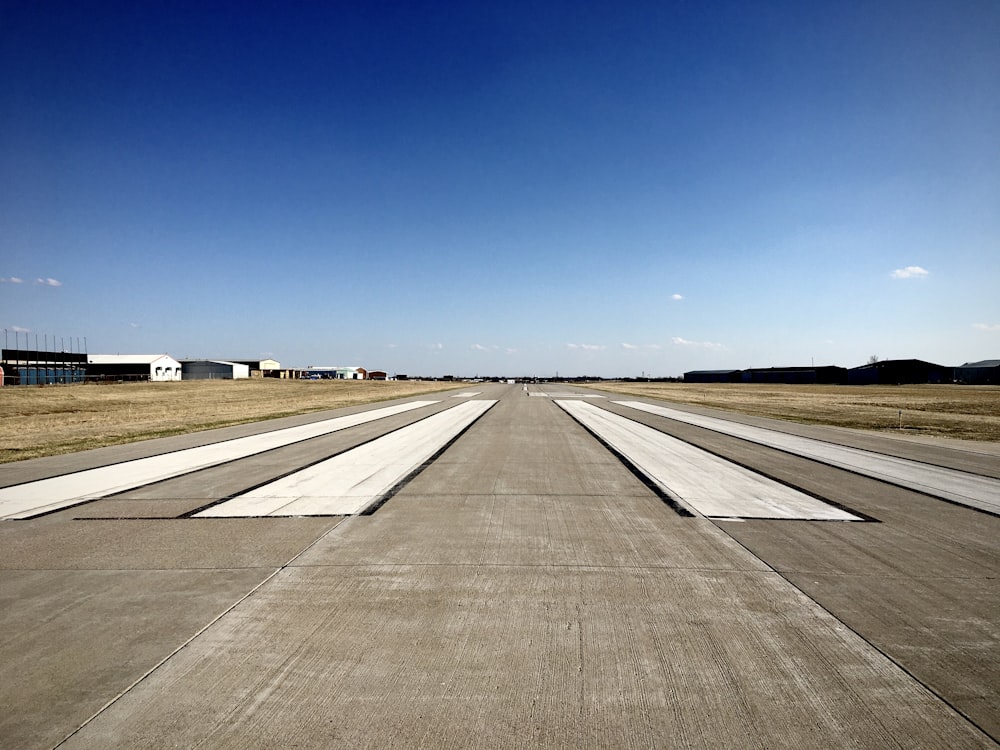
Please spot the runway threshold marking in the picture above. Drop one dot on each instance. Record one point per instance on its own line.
(972, 490)
(709, 485)
(545, 394)
(351, 482)
(32, 499)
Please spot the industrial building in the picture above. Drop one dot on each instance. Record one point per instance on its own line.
(885, 372)
(986, 372)
(334, 373)
(899, 372)
(260, 368)
(34, 367)
(133, 367)
(713, 376)
(214, 369)
(826, 375)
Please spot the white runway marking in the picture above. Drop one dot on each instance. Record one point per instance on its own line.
(463, 394)
(705, 483)
(45, 495)
(564, 395)
(352, 481)
(959, 486)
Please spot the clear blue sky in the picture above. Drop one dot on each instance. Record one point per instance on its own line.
(605, 188)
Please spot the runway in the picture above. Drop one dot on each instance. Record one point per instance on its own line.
(501, 567)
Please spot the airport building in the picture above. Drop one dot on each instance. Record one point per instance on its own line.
(260, 368)
(35, 367)
(334, 373)
(899, 372)
(826, 375)
(214, 369)
(713, 376)
(986, 372)
(156, 368)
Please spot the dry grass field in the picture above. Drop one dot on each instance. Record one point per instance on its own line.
(45, 421)
(49, 420)
(951, 411)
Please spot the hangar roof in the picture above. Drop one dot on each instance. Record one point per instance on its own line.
(130, 359)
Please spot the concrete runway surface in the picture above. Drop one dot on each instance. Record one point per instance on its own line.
(534, 569)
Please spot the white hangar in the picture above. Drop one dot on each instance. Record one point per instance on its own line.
(153, 367)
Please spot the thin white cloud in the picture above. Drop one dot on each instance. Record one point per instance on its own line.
(48, 282)
(987, 326)
(678, 341)
(134, 325)
(437, 347)
(910, 272)
(629, 346)
(510, 350)
(587, 347)
(480, 348)
(676, 297)
(653, 346)
(11, 280)
(18, 329)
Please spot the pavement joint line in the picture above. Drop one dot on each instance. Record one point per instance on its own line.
(392, 491)
(871, 644)
(199, 632)
(674, 503)
(575, 566)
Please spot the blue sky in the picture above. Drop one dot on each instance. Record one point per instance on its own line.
(512, 188)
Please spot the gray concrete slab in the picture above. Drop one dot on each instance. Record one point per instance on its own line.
(526, 589)
(455, 656)
(72, 640)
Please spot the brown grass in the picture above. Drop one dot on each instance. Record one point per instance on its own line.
(952, 411)
(51, 420)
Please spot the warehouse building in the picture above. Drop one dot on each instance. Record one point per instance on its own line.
(986, 372)
(214, 369)
(261, 368)
(827, 375)
(34, 367)
(133, 367)
(899, 372)
(713, 376)
(334, 373)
